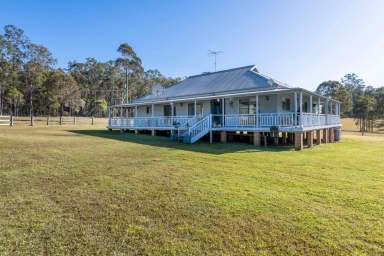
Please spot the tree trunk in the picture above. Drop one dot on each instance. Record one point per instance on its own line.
(360, 124)
(1, 100)
(61, 114)
(126, 86)
(372, 125)
(31, 108)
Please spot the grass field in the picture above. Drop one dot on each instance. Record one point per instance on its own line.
(81, 191)
(350, 125)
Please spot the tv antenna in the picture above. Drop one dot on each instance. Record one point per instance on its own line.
(214, 54)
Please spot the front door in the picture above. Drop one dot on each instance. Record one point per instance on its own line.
(217, 111)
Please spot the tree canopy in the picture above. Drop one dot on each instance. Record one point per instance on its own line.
(31, 84)
(362, 102)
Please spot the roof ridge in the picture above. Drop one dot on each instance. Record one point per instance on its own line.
(221, 71)
(273, 79)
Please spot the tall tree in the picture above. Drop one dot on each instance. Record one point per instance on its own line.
(39, 61)
(363, 109)
(354, 85)
(13, 44)
(16, 98)
(66, 93)
(379, 97)
(337, 91)
(131, 64)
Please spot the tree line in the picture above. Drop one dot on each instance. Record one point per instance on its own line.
(362, 102)
(31, 84)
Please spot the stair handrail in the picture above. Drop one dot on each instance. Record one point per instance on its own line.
(197, 125)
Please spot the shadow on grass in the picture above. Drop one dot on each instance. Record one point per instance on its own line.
(165, 142)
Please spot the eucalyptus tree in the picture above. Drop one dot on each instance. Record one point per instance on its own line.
(364, 111)
(112, 86)
(65, 91)
(16, 99)
(379, 97)
(338, 91)
(13, 47)
(93, 78)
(131, 64)
(39, 62)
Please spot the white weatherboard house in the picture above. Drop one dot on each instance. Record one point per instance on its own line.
(232, 104)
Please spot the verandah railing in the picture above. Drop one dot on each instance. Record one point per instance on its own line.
(230, 121)
(256, 121)
(152, 122)
(312, 119)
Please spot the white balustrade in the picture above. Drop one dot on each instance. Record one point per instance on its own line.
(257, 121)
(228, 121)
(152, 122)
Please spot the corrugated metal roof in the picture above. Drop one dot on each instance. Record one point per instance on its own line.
(237, 79)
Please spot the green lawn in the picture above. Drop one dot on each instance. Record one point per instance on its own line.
(77, 191)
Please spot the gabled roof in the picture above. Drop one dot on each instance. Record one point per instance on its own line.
(231, 80)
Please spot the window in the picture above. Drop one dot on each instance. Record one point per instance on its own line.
(167, 110)
(148, 110)
(247, 107)
(191, 109)
(199, 109)
(286, 104)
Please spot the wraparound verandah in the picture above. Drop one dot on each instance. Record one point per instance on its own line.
(255, 122)
(244, 113)
(282, 109)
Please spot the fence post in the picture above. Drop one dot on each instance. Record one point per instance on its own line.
(74, 120)
(11, 121)
(47, 120)
(92, 120)
(31, 121)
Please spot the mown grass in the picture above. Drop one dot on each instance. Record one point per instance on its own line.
(76, 191)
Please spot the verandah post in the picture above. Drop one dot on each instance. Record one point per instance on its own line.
(295, 110)
(153, 120)
(326, 108)
(311, 109)
(310, 104)
(257, 111)
(223, 112)
(136, 131)
(301, 109)
(109, 116)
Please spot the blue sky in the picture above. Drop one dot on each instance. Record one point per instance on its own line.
(299, 42)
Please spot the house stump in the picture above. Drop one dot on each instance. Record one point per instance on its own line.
(299, 141)
(256, 139)
(223, 137)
